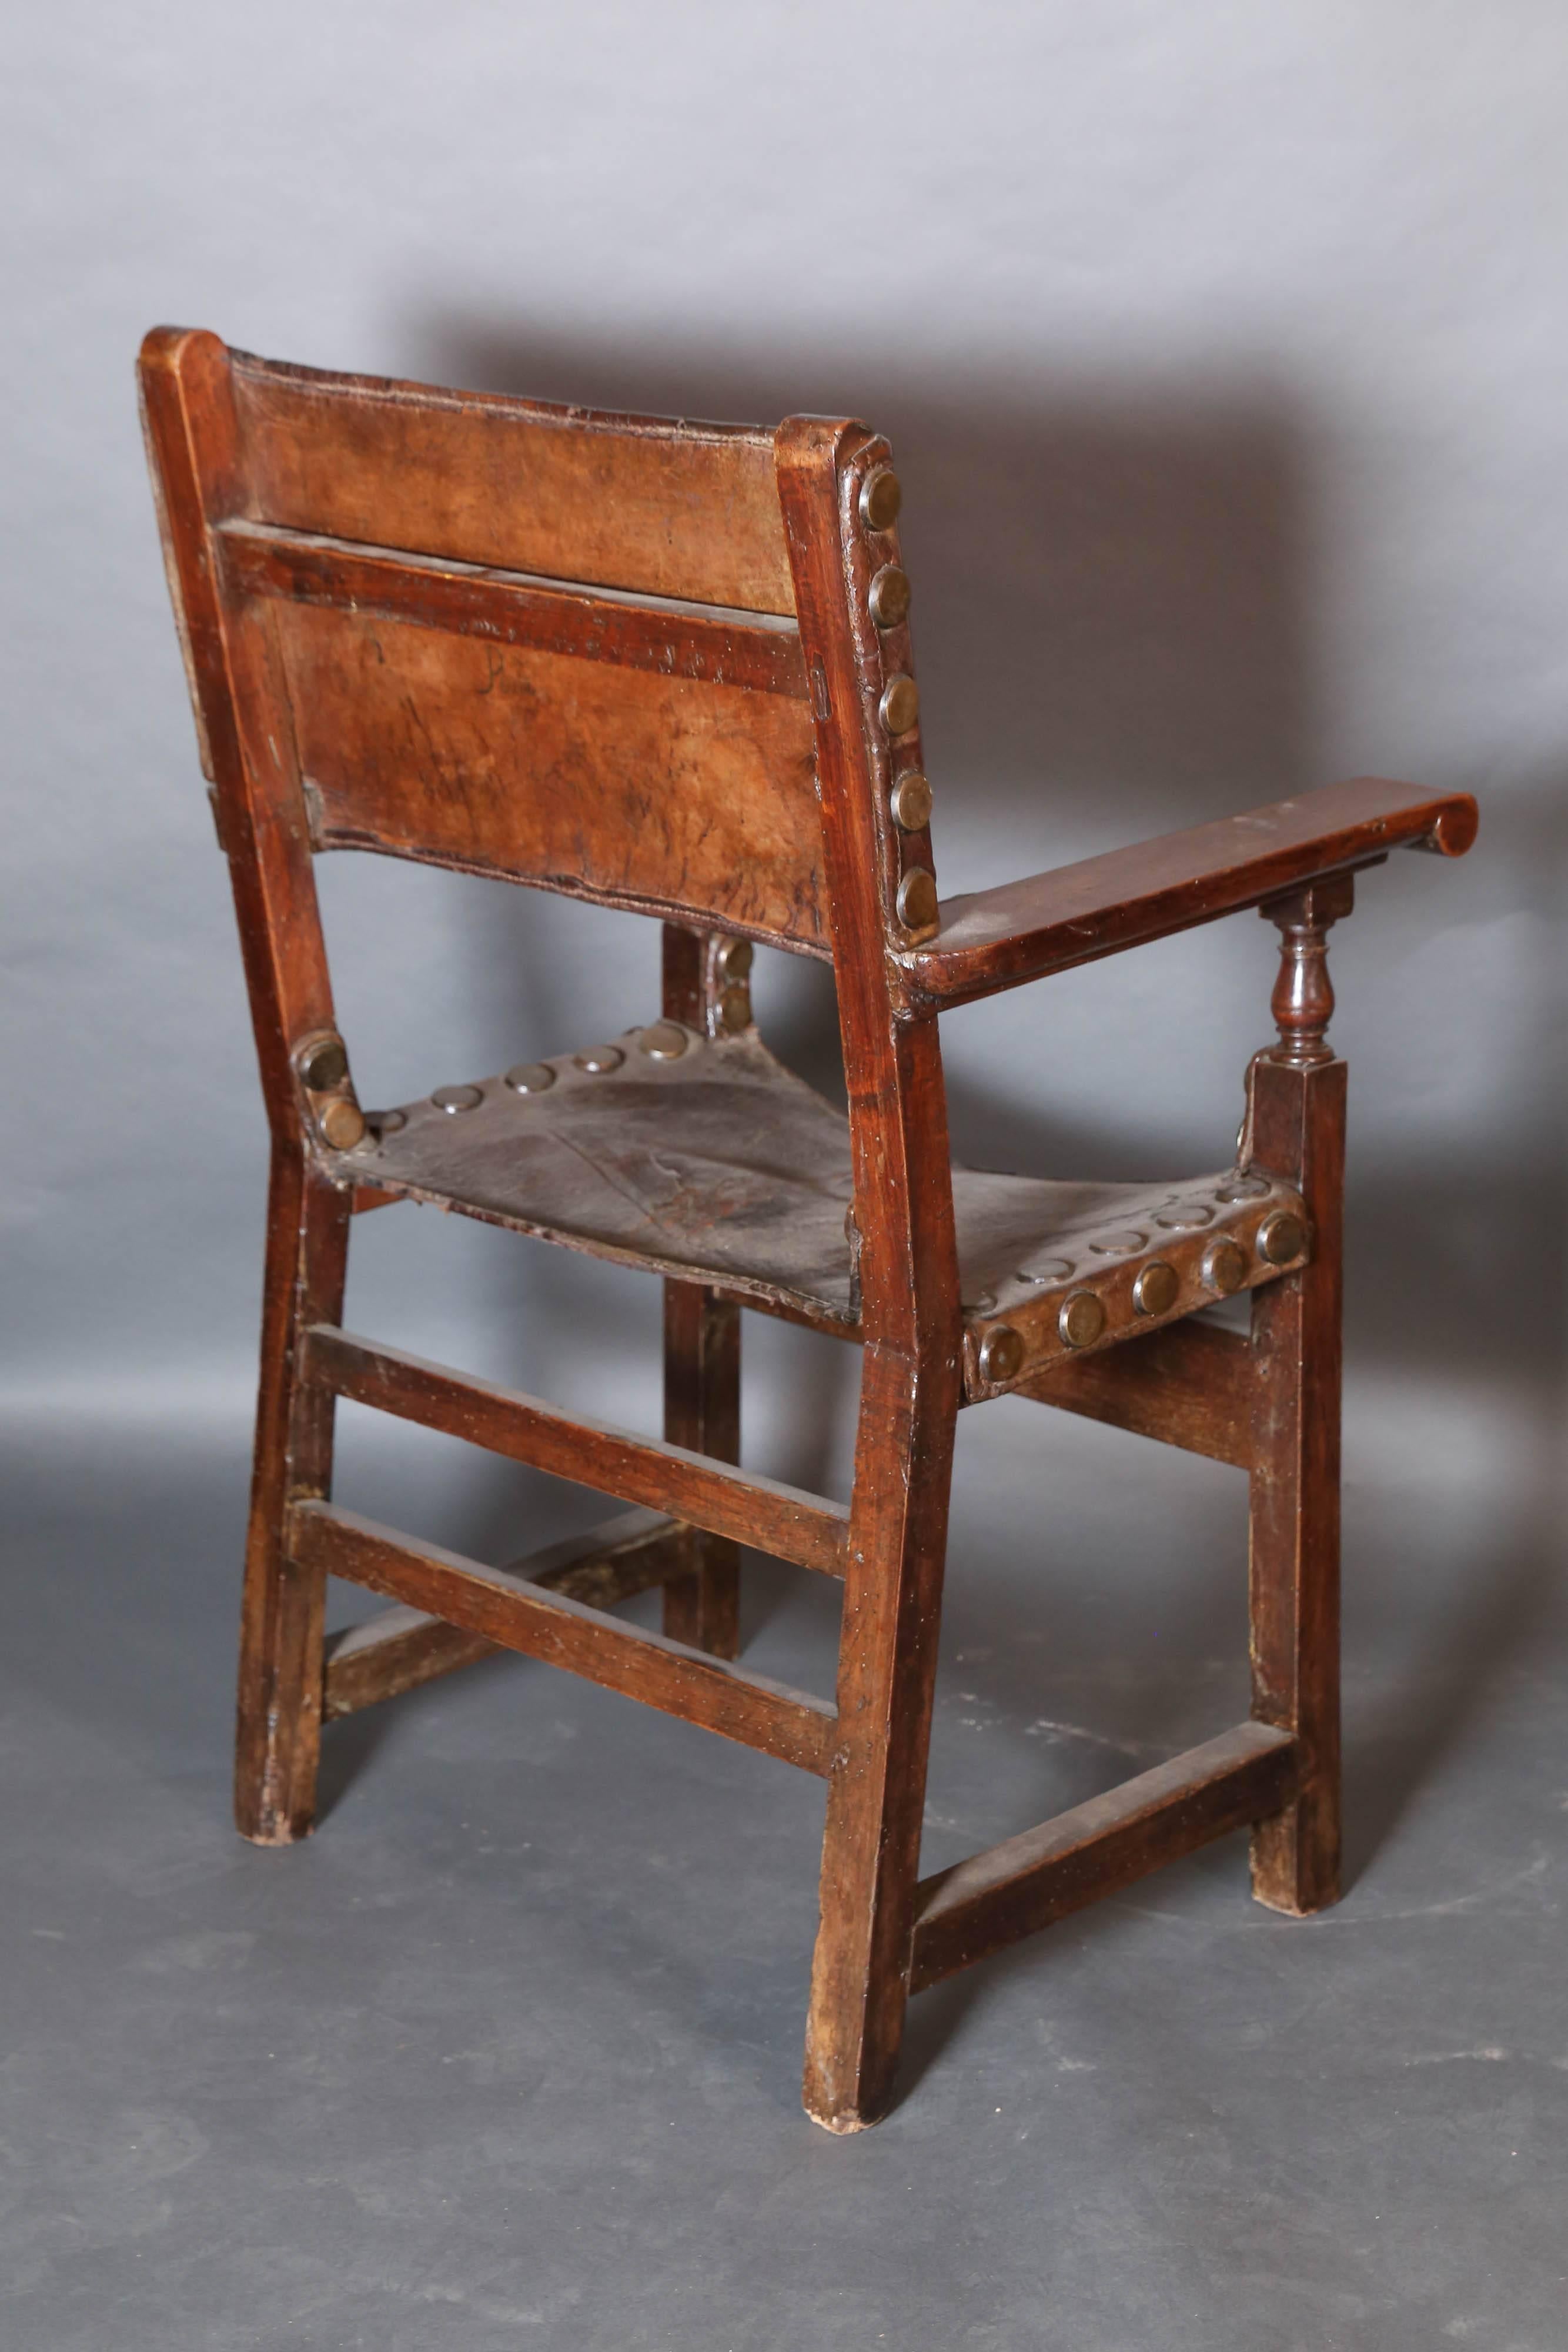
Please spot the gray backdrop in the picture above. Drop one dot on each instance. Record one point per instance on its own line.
(1223, 350)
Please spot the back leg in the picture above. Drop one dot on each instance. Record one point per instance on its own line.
(876, 1796)
(702, 1411)
(280, 1664)
(703, 985)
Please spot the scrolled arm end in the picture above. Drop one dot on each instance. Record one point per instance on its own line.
(1454, 830)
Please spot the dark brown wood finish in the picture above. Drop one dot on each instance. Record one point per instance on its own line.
(677, 640)
(982, 1905)
(247, 746)
(910, 1378)
(278, 1734)
(702, 1414)
(396, 1651)
(809, 1530)
(1296, 1124)
(634, 1552)
(521, 1615)
(702, 1330)
(1023, 931)
(668, 668)
(198, 468)
(1193, 1385)
(403, 1648)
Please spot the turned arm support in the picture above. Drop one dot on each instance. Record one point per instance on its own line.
(993, 940)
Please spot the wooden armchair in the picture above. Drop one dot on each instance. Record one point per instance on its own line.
(667, 667)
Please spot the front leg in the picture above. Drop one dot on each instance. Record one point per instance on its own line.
(1296, 1128)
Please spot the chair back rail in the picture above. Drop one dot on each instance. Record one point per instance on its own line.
(659, 761)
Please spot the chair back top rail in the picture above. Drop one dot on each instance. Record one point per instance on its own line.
(643, 502)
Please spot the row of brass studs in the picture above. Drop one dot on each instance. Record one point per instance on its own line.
(665, 1042)
(882, 495)
(887, 600)
(910, 800)
(323, 1067)
(732, 965)
(900, 705)
(888, 596)
(1179, 1217)
(1082, 1319)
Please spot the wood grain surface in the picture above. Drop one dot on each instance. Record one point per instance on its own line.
(323, 1540)
(1022, 931)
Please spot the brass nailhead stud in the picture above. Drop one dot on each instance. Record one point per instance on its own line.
(1001, 1354)
(456, 1098)
(1156, 1288)
(342, 1123)
(911, 802)
(663, 1042)
(324, 1065)
(530, 1078)
(900, 705)
(1281, 1237)
(882, 495)
(917, 899)
(388, 1123)
(599, 1058)
(889, 597)
(1184, 1221)
(1082, 1319)
(1241, 1188)
(1046, 1270)
(1118, 1244)
(735, 1010)
(734, 960)
(981, 1303)
(1225, 1268)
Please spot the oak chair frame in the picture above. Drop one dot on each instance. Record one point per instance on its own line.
(745, 564)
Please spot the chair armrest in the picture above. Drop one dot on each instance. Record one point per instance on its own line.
(992, 939)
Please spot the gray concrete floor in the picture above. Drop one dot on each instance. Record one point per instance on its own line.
(509, 2053)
